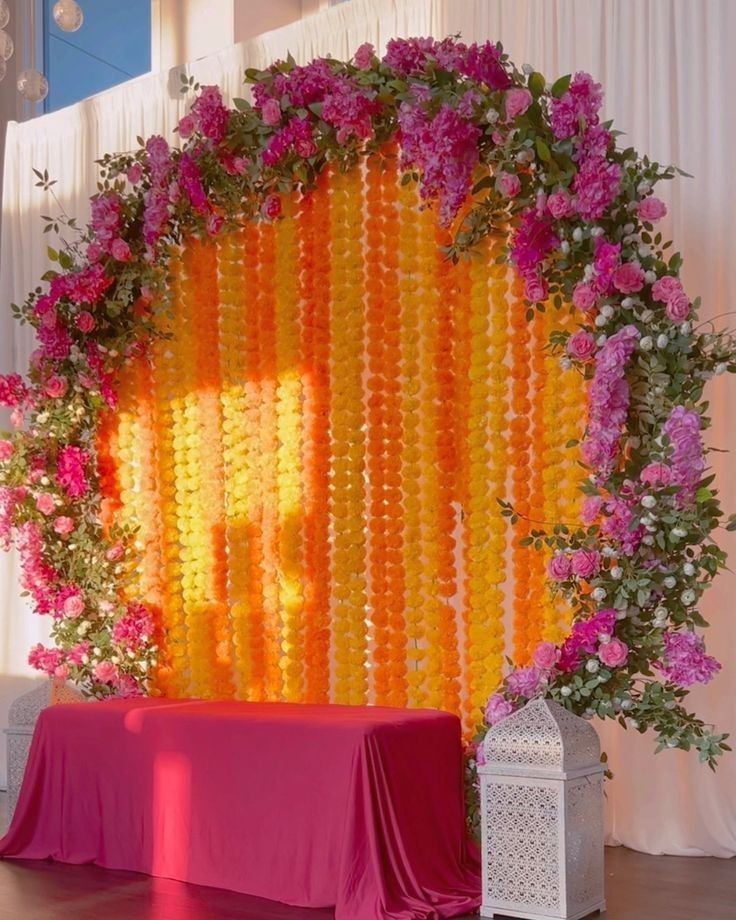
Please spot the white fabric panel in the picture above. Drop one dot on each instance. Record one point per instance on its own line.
(668, 69)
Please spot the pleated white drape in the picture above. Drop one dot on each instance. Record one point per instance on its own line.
(668, 69)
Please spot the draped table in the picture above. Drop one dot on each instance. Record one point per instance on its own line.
(359, 808)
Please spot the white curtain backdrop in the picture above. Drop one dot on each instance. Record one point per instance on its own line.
(669, 69)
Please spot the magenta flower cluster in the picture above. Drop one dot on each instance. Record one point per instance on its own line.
(685, 662)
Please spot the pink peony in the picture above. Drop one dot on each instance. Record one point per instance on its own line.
(186, 126)
(86, 322)
(524, 681)
(685, 661)
(105, 672)
(546, 655)
(678, 307)
(517, 100)
(364, 56)
(271, 207)
(535, 289)
(271, 112)
(586, 563)
(56, 386)
(560, 567)
(120, 250)
(613, 653)
(73, 606)
(45, 503)
(591, 508)
(581, 346)
(666, 287)
(628, 278)
(497, 709)
(584, 297)
(63, 525)
(135, 174)
(651, 209)
(508, 184)
(6, 450)
(656, 474)
(559, 204)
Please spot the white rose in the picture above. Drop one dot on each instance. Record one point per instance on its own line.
(688, 597)
(650, 277)
(565, 247)
(649, 501)
(599, 594)
(600, 320)
(670, 582)
(601, 340)
(644, 251)
(607, 310)
(643, 188)
(617, 573)
(688, 569)
(597, 231)
(577, 234)
(646, 344)
(492, 116)
(627, 303)
(648, 540)
(679, 532)
(565, 691)
(663, 340)
(646, 316)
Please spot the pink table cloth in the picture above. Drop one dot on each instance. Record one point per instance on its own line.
(359, 808)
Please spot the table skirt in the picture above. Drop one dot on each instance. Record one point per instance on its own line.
(359, 808)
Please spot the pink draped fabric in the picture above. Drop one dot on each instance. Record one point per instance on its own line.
(359, 808)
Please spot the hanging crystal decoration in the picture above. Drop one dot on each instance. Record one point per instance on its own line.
(3, 69)
(68, 15)
(4, 13)
(6, 46)
(32, 85)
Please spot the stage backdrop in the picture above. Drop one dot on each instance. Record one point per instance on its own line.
(667, 68)
(315, 457)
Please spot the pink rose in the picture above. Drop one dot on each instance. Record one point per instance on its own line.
(45, 503)
(508, 184)
(105, 672)
(135, 173)
(7, 449)
(584, 297)
(94, 252)
(546, 655)
(73, 606)
(678, 307)
(586, 563)
(614, 653)
(56, 386)
(120, 250)
(271, 207)
(115, 553)
(271, 112)
(85, 321)
(651, 209)
(559, 204)
(363, 57)
(535, 289)
(517, 101)
(666, 287)
(656, 474)
(628, 278)
(581, 346)
(497, 709)
(214, 223)
(63, 525)
(186, 126)
(559, 567)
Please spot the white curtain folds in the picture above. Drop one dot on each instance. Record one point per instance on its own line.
(668, 69)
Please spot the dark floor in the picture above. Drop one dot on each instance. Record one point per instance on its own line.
(638, 887)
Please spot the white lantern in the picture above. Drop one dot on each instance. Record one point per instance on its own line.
(22, 718)
(68, 15)
(541, 794)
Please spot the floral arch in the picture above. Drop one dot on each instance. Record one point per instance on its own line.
(500, 154)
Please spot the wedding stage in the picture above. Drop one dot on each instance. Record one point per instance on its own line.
(354, 807)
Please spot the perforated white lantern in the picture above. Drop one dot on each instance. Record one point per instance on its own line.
(22, 718)
(541, 794)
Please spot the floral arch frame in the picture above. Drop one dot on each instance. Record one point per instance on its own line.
(495, 148)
